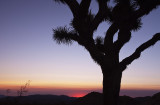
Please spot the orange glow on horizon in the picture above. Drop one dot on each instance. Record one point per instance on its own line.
(77, 91)
(45, 85)
(74, 86)
(78, 95)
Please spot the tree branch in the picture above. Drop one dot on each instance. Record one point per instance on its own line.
(124, 36)
(95, 53)
(84, 7)
(82, 20)
(108, 41)
(101, 15)
(125, 62)
(145, 7)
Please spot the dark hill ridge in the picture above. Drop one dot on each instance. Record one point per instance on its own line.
(93, 98)
(155, 100)
(37, 100)
(1, 96)
(54, 98)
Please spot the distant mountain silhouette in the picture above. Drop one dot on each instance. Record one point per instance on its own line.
(154, 100)
(93, 98)
(37, 100)
(1, 96)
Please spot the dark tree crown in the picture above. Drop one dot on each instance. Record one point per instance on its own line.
(124, 17)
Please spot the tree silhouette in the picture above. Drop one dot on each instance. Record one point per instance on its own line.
(23, 89)
(8, 91)
(123, 18)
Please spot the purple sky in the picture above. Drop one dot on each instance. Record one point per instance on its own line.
(28, 51)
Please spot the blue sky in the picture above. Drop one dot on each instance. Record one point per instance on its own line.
(28, 51)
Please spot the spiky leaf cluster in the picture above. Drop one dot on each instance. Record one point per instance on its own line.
(122, 14)
(63, 35)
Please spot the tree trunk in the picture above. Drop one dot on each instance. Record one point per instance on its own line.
(111, 86)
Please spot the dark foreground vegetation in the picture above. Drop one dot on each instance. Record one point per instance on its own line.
(93, 98)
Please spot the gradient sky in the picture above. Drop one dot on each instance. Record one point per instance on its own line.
(28, 52)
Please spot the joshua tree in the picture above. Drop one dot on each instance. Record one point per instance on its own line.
(124, 17)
